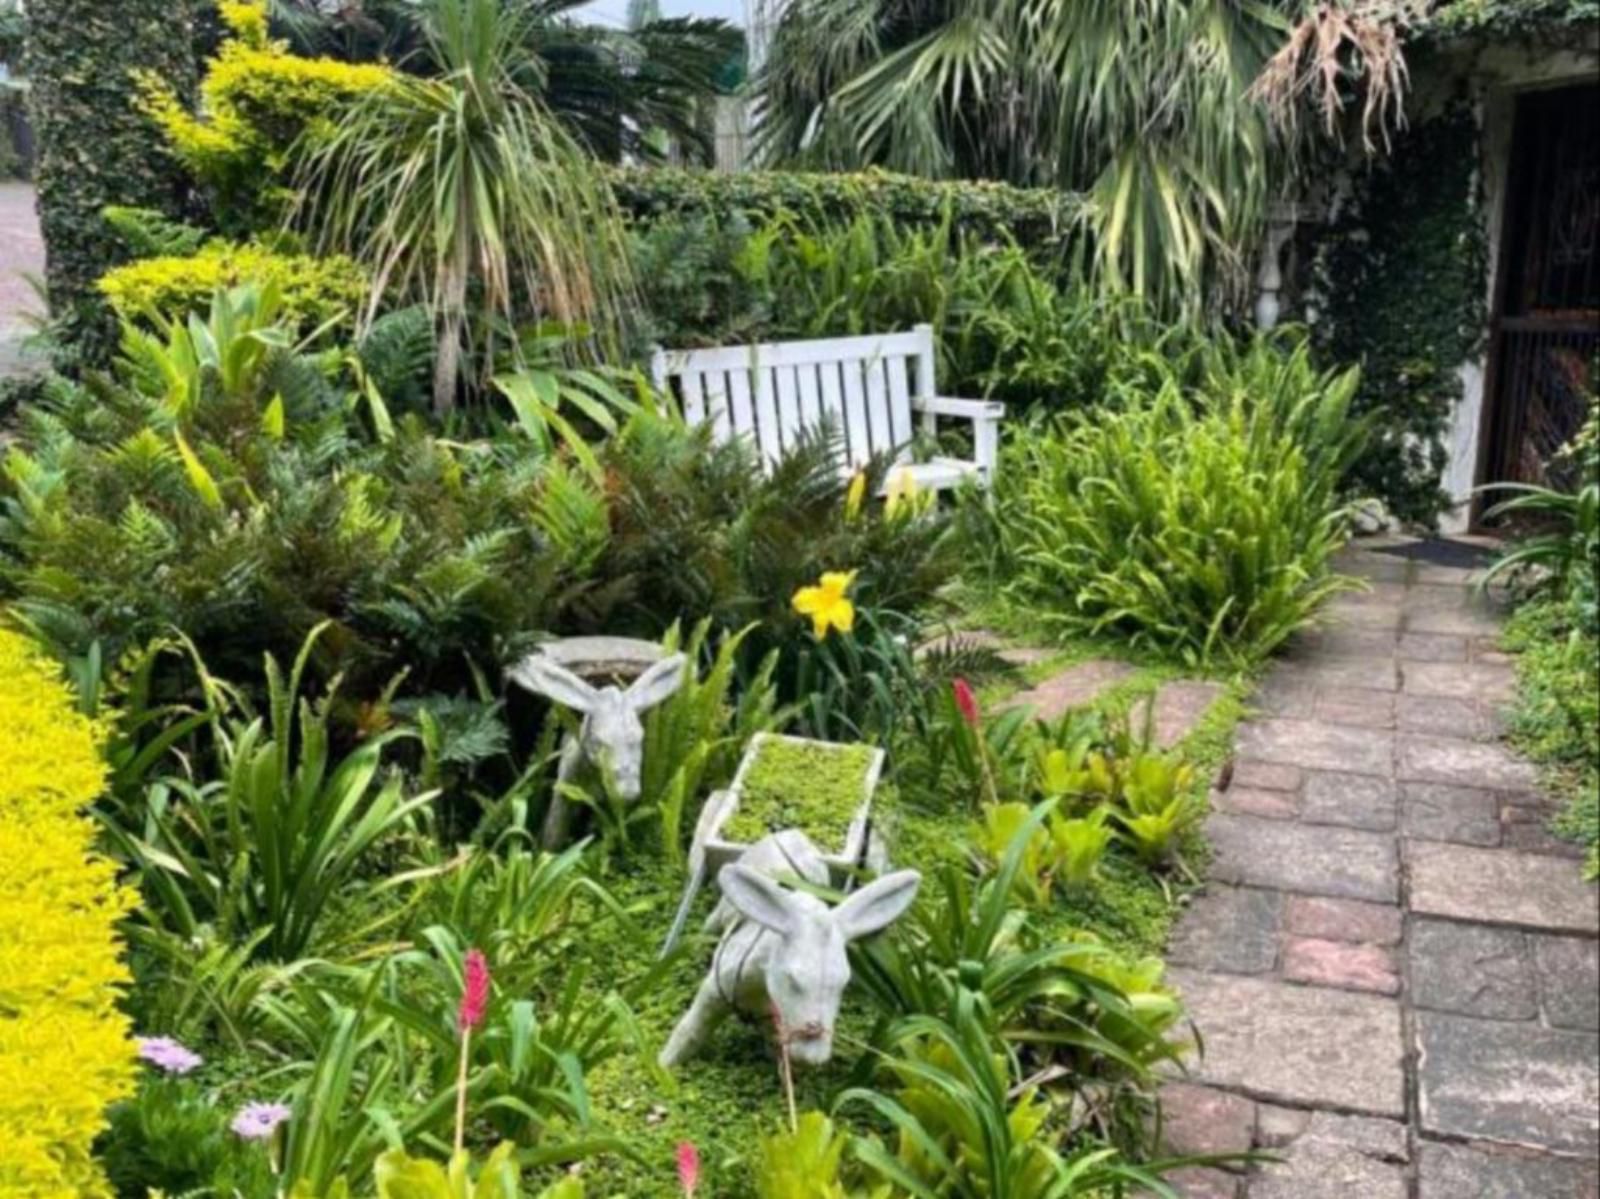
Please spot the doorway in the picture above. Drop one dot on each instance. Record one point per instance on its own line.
(1545, 326)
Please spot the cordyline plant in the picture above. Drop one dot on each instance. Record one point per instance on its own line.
(465, 192)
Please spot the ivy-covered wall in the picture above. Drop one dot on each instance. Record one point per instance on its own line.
(94, 147)
(1397, 282)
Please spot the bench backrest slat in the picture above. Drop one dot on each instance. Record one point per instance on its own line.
(773, 392)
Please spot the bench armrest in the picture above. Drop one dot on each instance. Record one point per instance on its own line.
(949, 406)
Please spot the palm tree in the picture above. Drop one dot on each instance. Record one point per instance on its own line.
(621, 92)
(1138, 104)
(462, 188)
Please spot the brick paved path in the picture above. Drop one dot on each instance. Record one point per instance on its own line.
(1394, 965)
(21, 251)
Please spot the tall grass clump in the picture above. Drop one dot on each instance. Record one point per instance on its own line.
(1196, 513)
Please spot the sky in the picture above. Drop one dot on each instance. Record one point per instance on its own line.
(615, 12)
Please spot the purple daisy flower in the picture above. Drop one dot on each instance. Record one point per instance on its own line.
(258, 1121)
(166, 1054)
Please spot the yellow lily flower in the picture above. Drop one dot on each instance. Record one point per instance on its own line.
(827, 604)
(855, 496)
(902, 494)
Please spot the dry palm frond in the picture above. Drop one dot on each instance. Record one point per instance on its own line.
(1338, 43)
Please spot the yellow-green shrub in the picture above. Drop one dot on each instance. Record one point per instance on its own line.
(65, 1052)
(313, 289)
(255, 100)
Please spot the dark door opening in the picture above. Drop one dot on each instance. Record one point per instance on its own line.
(1545, 328)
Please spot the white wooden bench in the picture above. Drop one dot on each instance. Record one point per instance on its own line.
(871, 387)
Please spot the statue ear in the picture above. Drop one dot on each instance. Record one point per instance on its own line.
(657, 683)
(757, 897)
(543, 677)
(877, 905)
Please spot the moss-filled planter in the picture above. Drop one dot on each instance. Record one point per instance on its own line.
(822, 789)
(815, 786)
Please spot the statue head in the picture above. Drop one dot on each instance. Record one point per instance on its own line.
(612, 734)
(807, 969)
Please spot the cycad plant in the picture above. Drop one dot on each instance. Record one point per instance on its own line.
(463, 191)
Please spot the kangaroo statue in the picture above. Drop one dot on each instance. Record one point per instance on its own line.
(783, 951)
(612, 734)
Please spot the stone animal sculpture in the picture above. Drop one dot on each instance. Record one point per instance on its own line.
(612, 733)
(783, 951)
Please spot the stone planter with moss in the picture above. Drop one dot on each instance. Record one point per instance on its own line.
(821, 788)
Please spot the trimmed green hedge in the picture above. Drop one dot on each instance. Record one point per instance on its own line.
(94, 147)
(1036, 217)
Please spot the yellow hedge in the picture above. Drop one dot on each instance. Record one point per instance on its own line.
(255, 100)
(65, 1049)
(314, 290)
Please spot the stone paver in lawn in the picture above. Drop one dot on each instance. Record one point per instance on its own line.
(1514, 1083)
(1072, 688)
(1179, 707)
(1395, 964)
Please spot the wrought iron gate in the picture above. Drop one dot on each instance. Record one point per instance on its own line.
(1546, 327)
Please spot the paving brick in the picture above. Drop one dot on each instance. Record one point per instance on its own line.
(1439, 812)
(1284, 698)
(1364, 612)
(1568, 969)
(1356, 800)
(1476, 680)
(1518, 1084)
(1306, 1046)
(1356, 706)
(1367, 674)
(1229, 929)
(1315, 746)
(1341, 641)
(1343, 920)
(1501, 886)
(1199, 1182)
(1440, 715)
(1485, 1172)
(1277, 1126)
(1431, 647)
(1340, 964)
(1201, 1121)
(1465, 763)
(1338, 1157)
(1471, 969)
(1249, 801)
(1266, 776)
(1343, 862)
